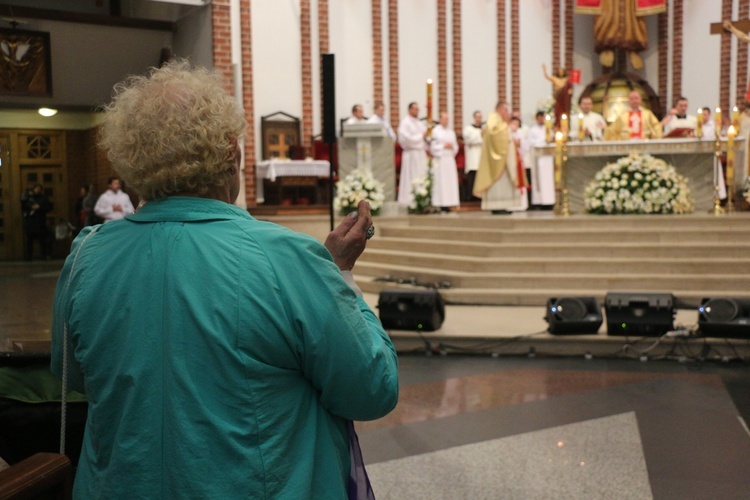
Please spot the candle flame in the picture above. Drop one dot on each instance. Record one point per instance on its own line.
(429, 81)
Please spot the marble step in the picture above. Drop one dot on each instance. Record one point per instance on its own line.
(562, 281)
(554, 264)
(545, 220)
(602, 250)
(537, 297)
(718, 236)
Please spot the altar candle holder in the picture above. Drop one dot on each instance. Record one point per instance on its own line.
(699, 124)
(717, 209)
(731, 134)
(548, 128)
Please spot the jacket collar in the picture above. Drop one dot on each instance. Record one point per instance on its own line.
(187, 209)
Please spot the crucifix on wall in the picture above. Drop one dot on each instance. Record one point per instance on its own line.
(738, 29)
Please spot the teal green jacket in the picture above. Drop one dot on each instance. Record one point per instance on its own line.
(220, 356)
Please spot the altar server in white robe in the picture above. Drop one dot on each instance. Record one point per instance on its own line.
(500, 181)
(677, 118)
(358, 115)
(593, 123)
(443, 148)
(472, 135)
(709, 126)
(411, 135)
(378, 116)
(542, 177)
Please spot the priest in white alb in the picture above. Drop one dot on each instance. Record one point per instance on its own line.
(411, 136)
(443, 148)
(500, 181)
(472, 135)
(593, 123)
(678, 120)
(541, 168)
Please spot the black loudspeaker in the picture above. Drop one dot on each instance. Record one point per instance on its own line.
(724, 317)
(421, 310)
(644, 314)
(573, 315)
(329, 99)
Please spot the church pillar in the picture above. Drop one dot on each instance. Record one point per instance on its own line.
(442, 58)
(515, 56)
(377, 51)
(726, 57)
(393, 63)
(677, 23)
(458, 93)
(502, 70)
(742, 49)
(663, 34)
(556, 24)
(306, 60)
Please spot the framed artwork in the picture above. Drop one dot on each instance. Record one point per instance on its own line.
(25, 64)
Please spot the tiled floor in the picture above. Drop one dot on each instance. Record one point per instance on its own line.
(519, 427)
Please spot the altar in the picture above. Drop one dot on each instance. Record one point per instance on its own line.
(299, 172)
(692, 158)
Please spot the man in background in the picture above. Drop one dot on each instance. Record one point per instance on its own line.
(472, 151)
(113, 204)
(379, 117)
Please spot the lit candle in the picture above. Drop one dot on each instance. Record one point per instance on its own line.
(699, 123)
(731, 133)
(581, 131)
(548, 127)
(564, 124)
(717, 117)
(429, 103)
(736, 118)
(558, 159)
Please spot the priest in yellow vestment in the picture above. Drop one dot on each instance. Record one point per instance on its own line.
(499, 182)
(634, 123)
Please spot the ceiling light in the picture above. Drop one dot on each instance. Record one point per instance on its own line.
(47, 112)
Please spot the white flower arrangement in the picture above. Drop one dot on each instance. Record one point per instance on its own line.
(357, 186)
(638, 184)
(546, 106)
(421, 191)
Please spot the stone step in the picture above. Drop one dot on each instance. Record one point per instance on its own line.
(717, 236)
(546, 220)
(603, 250)
(553, 264)
(561, 281)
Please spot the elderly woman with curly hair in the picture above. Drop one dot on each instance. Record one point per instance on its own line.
(222, 357)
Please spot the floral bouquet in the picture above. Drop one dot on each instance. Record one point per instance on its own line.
(357, 186)
(421, 190)
(546, 106)
(638, 184)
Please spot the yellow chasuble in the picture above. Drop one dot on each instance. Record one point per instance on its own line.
(493, 162)
(620, 129)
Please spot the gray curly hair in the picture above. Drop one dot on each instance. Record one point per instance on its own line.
(173, 131)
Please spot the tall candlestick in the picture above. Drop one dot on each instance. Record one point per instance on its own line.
(429, 103)
(581, 130)
(558, 159)
(548, 128)
(736, 118)
(717, 117)
(564, 124)
(731, 133)
(699, 123)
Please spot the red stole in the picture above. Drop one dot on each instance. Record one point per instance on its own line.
(635, 123)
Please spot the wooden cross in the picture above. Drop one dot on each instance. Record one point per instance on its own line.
(718, 28)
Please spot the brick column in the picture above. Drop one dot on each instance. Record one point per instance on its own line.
(742, 48)
(393, 62)
(323, 43)
(377, 51)
(246, 36)
(677, 23)
(306, 61)
(222, 36)
(458, 93)
(663, 41)
(569, 4)
(515, 56)
(501, 47)
(442, 59)
(726, 57)
(556, 62)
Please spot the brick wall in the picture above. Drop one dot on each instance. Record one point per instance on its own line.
(248, 101)
(677, 23)
(393, 62)
(377, 50)
(742, 48)
(306, 61)
(556, 62)
(502, 69)
(569, 4)
(726, 56)
(442, 59)
(663, 41)
(458, 93)
(323, 43)
(515, 56)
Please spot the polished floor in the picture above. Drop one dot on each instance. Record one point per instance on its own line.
(523, 426)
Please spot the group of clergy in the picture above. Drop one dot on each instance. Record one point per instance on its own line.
(499, 152)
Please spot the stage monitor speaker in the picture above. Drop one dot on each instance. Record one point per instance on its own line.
(641, 314)
(573, 315)
(724, 317)
(421, 310)
(329, 98)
